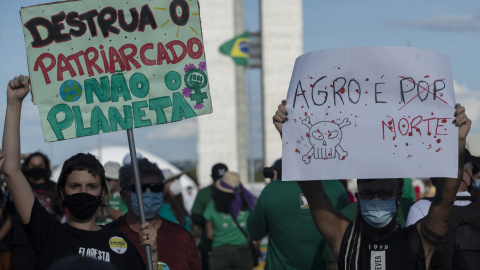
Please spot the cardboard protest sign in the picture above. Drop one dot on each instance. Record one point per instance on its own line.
(370, 112)
(102, 66)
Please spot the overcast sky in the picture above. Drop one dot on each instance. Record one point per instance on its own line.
(448, 27)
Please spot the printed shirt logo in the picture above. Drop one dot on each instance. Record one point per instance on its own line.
(118, 244)
(303, 202)
(163, 266)
(377, 260)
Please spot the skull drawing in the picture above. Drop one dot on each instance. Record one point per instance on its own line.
(325, 138)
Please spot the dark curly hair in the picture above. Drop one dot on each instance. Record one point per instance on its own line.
(81, 162)
(223, 200)
(46, 161)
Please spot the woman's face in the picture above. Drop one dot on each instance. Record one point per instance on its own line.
(83, 181)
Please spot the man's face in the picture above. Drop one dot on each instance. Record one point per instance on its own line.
(383, 189)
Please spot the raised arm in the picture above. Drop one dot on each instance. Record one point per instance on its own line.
(21, 191)
(435, 225)
(329, 222)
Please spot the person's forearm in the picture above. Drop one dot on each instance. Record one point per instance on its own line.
(21, 191)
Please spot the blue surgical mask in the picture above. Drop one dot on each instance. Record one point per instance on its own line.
(152, 202)
(377, 212)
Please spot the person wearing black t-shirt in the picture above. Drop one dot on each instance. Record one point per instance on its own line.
(374, 240)
(36, 168)
(81, 188)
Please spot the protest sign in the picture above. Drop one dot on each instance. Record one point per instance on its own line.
(102, 66)
(370, 112)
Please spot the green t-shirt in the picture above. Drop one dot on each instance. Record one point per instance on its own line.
(225, 231)
(116, 203)
(204, 196)
(282, 212)
(167, 213)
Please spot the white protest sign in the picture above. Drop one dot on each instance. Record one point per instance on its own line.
(370, 112)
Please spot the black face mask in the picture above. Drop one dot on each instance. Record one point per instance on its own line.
(82, 205)
(36, 173)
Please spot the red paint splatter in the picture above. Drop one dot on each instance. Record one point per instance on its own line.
(395, 145)
(410, 134)
(302, 106)
(304, 91)
(366, 105)
(331, 85)
(311, 85)
(329, 154)
(327, 114)
(406, 144)
(426, 76)
(439, 141)
(432, 113)
(309, 157)
(438, 149)
(296, 150)
(342, 91)
(403, 125)
(444, 120)
(306, 114)
(366, 92)
(308, 135)
(357, 91)
(338, 67)
(325, 87)
(343, 158)
(367, 79)
(429, 133)
(329, 107)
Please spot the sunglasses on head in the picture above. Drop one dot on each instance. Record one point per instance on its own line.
(154, 187)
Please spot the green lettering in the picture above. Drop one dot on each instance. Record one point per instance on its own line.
(81, 130)
(158, 104)
(101, 92)
(120, 88)
(116, 118)
(139, 85)
(181, 109)
(99, 121)
(58, 126)
(138, 113)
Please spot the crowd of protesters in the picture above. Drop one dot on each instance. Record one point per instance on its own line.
(90, 217)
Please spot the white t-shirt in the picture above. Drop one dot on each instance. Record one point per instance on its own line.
(420, 209)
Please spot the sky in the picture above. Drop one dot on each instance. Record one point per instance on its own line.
(448, 27)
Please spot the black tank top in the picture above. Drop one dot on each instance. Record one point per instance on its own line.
(402, 250)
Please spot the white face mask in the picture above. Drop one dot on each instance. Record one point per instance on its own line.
(175, 188)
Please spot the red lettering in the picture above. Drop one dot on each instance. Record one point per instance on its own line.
(143, 58)
(400, 126)
(415, 126)
(191, 53)
(129, 58)
(76, 58)
(64, 65)
(92, 62)
(162, 54)
(45, 70)
(428, 123)
(438, 125)
(115, 58)
(170, 45)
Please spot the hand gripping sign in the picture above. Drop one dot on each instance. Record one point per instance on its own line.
(102, 66)
(370, 112)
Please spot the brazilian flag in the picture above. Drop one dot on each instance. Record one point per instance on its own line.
(237, 48)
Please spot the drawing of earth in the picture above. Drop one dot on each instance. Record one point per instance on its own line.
(71, 90)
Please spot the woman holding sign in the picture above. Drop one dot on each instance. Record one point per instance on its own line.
(81, 188)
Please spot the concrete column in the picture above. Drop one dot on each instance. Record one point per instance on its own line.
(282, 43)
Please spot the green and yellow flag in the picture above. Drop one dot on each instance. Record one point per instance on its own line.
(237, 48)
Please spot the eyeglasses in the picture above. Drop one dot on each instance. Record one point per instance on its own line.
(382, 194)
(154, 187)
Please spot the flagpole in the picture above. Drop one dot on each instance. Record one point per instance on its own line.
(138, 189)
